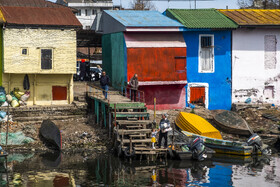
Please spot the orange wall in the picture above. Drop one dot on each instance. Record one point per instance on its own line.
(157, 64)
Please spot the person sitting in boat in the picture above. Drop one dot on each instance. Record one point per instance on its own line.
(154, 133)
(164, 126)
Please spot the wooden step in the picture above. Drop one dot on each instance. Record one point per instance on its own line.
(134, 127)
(135, 131)
(129, 122)
(138, 135)
(131, 114)
(149, 149)
(137, 141)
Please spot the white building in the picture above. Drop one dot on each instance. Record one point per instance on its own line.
(255, 55)
(87, 10)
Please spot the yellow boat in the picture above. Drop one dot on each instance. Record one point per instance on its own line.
(197, 125)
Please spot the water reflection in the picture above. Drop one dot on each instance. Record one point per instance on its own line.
(53, 169)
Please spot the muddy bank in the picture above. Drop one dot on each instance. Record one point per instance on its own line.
(80, 135)
(77, 136)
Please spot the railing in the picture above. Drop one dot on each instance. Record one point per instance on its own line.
(98, 92)
(127, 92)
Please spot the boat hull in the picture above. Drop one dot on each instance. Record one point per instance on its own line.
(225, 146)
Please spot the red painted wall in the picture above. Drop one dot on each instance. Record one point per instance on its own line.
(168, 96)
(157, 64)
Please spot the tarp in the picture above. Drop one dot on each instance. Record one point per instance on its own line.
(17, 138)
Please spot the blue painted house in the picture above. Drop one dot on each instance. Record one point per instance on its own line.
(207, 34)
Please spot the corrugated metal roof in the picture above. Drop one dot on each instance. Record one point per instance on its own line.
(253, 16)
(201, 18)
(142, 18)
(28, 3)
(39, 16)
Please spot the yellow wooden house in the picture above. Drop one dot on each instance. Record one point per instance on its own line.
(38, 40)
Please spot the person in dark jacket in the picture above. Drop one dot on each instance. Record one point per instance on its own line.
(134, 86)
(163, 125)
(82, 70)
(104, 82)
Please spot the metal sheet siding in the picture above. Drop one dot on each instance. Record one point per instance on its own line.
(155, 64)
(114, 59)
(136, 40)
(137, 18)
(28, 3)
(253, 16)
(40, 16)
(220, 80)
(110, 25)
(201, 18)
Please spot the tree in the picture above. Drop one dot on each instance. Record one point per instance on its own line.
(142, 5)
(259, 4)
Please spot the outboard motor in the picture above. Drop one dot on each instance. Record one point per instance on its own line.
(198, 149)
(256, 141)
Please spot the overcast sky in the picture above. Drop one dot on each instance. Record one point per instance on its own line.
(163, 4)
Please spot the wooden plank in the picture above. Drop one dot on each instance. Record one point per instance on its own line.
(132, 114)
(129, 122)
(130, 104)
(137, 141)
(138, 135)
(135, 131)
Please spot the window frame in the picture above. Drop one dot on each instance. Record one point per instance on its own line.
(79, 13)
(52, 64)
(86, 12)
(27, 51)
(213, 54)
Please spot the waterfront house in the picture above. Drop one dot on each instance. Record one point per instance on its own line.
(38, 39)
(255, 55)
(207, 34)
(151, 45)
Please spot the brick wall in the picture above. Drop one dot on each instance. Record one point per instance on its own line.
(62, 42)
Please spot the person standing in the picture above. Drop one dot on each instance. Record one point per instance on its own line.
(134, 86)
(82, 70)
(104, 82)
(164, 124)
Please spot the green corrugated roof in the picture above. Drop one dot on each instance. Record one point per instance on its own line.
(201, 18)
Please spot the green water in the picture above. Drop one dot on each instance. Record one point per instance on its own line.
(57, 170)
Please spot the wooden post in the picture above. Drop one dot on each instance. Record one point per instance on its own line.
(7, 128)
(110, 122)
(34, 89)
(173, 137)
(155, 101)
(115, 112)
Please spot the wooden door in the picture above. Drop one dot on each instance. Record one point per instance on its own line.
(59, 92)
(197, 95)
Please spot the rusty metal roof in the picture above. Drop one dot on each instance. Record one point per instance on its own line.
(253, 17)
(43, 16)
(28, 3)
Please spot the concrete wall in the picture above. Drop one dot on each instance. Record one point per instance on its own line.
(63, 44)
(218, 83)
(41, 94)
(256, 74)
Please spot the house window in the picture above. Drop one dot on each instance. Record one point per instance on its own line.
(78, 13)
(86, 12)
(270, 59)
(24, 51)
(268, 92)
(206, 54)
(46, 58)
(93, 11)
